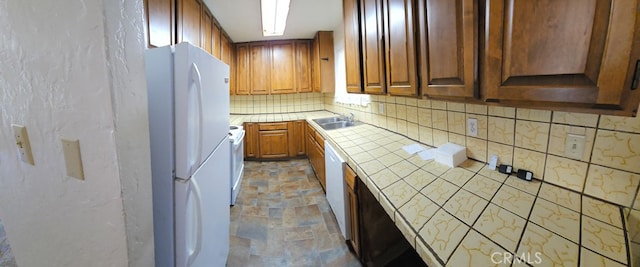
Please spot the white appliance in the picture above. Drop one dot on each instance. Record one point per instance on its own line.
(236, 138)
(336, 194)
(188, 94)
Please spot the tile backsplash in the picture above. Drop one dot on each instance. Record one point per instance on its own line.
(529, 139)
(265, 104)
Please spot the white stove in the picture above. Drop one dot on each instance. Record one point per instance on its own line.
(236, 138)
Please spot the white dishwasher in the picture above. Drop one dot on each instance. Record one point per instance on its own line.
(336, 193)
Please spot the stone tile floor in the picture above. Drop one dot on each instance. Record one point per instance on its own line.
(6, 258)
(282, 218)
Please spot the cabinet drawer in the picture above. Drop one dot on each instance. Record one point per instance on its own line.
(273, 126)
(350, 177)
(320, 140)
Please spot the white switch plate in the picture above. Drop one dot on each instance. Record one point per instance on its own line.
(380, 108)
(23, 144)
(574, 146)
(72, 158)
(472, 127)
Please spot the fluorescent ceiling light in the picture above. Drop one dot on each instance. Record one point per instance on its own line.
(274, 16)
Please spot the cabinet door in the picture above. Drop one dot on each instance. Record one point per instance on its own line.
(215, 36)
(352, 45)
(303, 66)
(274, 144)
(160, 21)
(318, 164)
(251, 140)
(559, 52)
(323, 62)
(206, 41)
(350, 180)
(283, 67)
(260, 68)
(448, 52)
(243, 77)
(189, 21)
(400, 48)
(373, 73)
(297, 138)
(225, 49)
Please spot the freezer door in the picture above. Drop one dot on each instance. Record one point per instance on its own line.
(201, 89)
(202, 213)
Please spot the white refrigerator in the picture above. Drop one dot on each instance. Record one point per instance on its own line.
(188, 95)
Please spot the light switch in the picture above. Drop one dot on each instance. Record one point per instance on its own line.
(23, 144)
(72, 158)
(380, 108)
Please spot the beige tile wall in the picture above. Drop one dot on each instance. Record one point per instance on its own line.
(529, 139)
(265, 104)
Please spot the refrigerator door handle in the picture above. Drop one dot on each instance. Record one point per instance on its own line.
(194, 249)
(196, 80)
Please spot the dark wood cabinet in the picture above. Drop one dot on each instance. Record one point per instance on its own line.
(400, 48)
(273, 144)
(350, 177)
(160, 22)
(303, 66)
(283, 67)
(560, 52)
(297, 138)
(225, 48)
(323, 62)
(372, 31)
(260, 68)
(251, 140)
(315, 152)
(448, 32)
(206, 41)
(351, 16)
(215, 40)
(189, 15)
(242, 69)
(388, 47)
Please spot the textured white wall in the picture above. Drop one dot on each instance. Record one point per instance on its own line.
(68, 72)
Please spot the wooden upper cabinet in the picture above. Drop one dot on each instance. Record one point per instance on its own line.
(303, 66)
(351, 17)
(323, 62)
(260, 68)
(215, 39)
(206, 41)
(189, 21)
(400, 47)
(160, 22)
(575, 52)
(225, 49)
(283, 67)
(242, 67)
(373, 73)
(448, 32)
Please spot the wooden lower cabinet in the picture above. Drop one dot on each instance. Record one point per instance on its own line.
(274, 144)
(296, 139)
(251, 140)
(315, 151)
(350, 177)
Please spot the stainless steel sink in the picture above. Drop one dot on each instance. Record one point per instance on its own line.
(335, 123)
(328, 120)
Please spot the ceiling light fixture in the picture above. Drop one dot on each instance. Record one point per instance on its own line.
(274, 16)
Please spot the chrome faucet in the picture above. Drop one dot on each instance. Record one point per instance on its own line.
(348, 118)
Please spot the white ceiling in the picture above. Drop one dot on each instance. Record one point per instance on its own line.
(241, 18)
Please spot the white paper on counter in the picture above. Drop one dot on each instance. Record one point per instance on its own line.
(413, 148)
(427, 154)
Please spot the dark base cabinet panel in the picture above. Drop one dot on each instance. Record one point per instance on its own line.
(381, 243)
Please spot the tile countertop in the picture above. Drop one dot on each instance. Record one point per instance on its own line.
(470, 215)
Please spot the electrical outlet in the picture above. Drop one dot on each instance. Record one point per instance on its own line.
(380, 108)
(23, 144)
(574, 146)
(472, 127)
